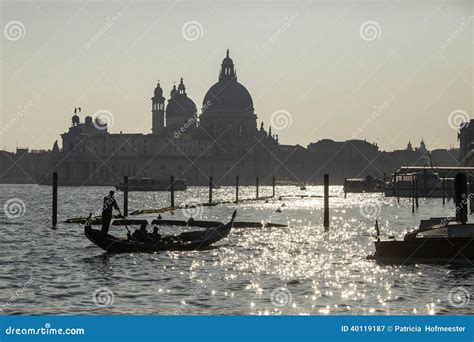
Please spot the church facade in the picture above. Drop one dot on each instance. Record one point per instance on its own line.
(223, 141)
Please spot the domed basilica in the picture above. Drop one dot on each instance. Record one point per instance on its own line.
(222, 140)
(227, 117)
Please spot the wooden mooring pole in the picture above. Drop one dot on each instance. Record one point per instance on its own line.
(416, 192)
(326, 201)
(345, 188)
(412, 193)
(444, 191)
(273, 186)
(236, 189)
(210, 189)
(55, 199)
(256, 188)
(125, 196)
(172, 191)
(469, 196)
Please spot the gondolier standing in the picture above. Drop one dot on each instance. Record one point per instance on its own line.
(109, 204)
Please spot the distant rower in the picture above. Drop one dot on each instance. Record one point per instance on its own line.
(109, 204)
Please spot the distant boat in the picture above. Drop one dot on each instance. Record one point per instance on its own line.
(303, 187)
(362, 185)
(429, 184)
(187, 241)
(152, 184)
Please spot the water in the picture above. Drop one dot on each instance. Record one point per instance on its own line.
(295, 270)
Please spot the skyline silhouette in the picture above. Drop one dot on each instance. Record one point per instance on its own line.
(330, 66)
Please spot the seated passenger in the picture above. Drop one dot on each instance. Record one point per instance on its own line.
(156, 236)
(141, 234)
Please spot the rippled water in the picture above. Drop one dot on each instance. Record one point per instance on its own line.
(295, 270)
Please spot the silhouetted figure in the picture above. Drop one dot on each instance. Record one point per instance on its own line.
(156, 236)
(141, 234)
(109, 204)
(159, 216)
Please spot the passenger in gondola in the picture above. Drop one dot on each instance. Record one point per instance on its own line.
(141, 234)
(191, 221)
(107, 209)
(156, 236)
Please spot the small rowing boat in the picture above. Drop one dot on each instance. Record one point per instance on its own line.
(187, 241)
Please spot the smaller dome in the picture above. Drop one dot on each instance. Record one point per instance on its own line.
(180, 105)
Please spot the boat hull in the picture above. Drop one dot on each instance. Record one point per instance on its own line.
(426, 251)
(188, 241)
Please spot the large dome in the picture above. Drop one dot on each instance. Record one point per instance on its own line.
(228, 95)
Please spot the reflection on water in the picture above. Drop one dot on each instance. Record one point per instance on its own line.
(296, 270)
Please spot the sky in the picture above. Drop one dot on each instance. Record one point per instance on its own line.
(385, 71)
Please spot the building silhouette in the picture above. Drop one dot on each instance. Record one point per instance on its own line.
(222, 139)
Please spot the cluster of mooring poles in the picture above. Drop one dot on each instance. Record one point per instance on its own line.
(172, 195)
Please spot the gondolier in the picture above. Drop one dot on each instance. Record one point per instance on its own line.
(109, 204)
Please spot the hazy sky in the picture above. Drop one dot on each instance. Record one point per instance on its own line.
(385, 71)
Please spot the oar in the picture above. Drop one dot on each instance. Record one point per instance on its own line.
(377, 229)
(124, 221)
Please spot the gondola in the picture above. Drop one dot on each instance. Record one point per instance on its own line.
(187, 241)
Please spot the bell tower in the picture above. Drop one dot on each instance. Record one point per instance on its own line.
(158, 110)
